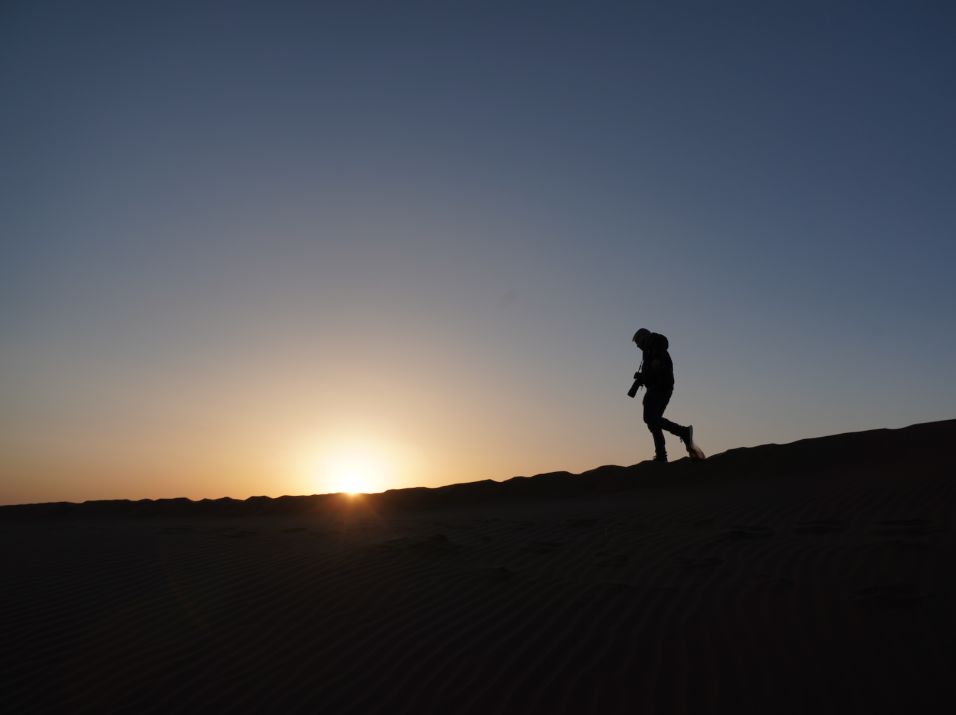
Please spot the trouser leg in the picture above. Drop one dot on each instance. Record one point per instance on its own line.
(673, 428)
(660, 449)
(654, 403)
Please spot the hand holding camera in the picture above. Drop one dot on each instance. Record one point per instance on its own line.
(638, 383)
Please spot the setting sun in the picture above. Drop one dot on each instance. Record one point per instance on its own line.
(360, 460)
(354, 471)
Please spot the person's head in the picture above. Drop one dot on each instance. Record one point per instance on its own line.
(640, 337)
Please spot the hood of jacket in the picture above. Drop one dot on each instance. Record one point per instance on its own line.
(657, 343)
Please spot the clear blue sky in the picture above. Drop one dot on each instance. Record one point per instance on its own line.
(239, 238)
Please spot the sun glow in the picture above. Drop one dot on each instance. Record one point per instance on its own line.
(353, 471)
(351, 462)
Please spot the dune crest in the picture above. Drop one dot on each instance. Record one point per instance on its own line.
(920, 446)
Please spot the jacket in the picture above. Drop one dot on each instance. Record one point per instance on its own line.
(657, 369)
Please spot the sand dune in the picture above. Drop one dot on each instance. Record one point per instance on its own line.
(813, 576)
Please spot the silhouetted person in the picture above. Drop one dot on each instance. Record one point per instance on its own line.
(656, 374)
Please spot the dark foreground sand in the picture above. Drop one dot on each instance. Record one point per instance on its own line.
(812, 577)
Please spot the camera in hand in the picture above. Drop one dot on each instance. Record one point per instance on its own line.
(638, 383)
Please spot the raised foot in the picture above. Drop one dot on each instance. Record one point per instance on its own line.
(693, 451)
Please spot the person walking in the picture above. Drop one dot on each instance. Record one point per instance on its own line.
(656, 374)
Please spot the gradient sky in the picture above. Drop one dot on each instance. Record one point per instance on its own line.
(242, 239)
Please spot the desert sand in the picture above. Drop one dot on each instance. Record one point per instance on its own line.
(817, 576)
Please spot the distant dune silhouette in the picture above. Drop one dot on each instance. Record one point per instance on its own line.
(918, 447)
(816, 576)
